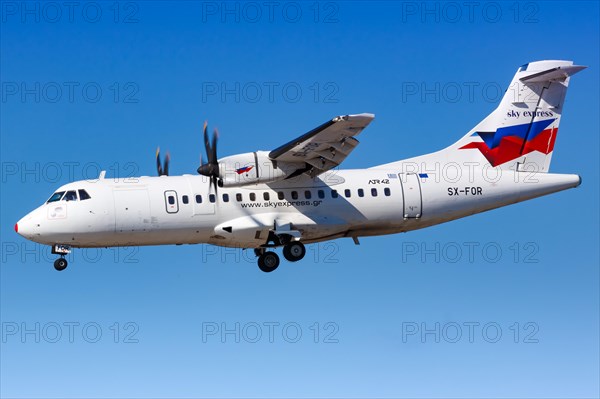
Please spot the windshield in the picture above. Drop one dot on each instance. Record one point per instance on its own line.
(83, 195)
(56, 196)
(70, 196)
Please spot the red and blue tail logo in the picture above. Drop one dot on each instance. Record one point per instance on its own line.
(511, 142)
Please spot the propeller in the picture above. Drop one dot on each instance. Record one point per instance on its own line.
(211, 167)
(162, 170)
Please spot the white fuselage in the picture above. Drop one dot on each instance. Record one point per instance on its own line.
(268, 198)
(178, 209)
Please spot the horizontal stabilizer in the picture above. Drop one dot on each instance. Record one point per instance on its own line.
(558, 73)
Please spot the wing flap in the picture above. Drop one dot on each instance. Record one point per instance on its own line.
(321, 163)
(326, 146)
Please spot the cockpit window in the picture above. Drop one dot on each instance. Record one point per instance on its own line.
(83, 195)
(70, 196)
(56, 196)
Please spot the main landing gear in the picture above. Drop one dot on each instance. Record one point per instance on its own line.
(269, 261)
(294, 251)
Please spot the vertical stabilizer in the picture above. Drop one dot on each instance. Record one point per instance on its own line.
(521, 132)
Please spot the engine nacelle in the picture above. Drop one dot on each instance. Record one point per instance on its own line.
(254, 168)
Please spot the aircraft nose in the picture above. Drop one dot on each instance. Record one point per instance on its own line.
(25, 227)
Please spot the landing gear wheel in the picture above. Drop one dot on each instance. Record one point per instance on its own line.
(60, 264)
(294, 251)
(268, 262)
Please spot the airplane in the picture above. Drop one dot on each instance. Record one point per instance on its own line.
(293, 195)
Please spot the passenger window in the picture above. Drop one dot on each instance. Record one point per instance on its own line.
(185, 199)
(361, 192)
(252, 197)
(70, 196)
(280, 195)
(307, 194)
(374, 192)
(212, 198)
(334, 194)
(266, 196)
(225, 197)
(56, 196)
(171, 200)
(295, 195)
(83, 195)
(238, 197)
(347, 193)
(387, 192)
(321, 194)
(198, 199)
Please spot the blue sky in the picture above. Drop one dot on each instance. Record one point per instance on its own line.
(101, 85)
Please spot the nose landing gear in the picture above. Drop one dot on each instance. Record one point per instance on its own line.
(60, 264)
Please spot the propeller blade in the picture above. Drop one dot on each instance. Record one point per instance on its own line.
(214, 148)
(214, 182)
(166, 167)
(207, 142)
(210, 169)
(158, 163)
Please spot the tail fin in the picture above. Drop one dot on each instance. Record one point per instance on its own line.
(523, 128)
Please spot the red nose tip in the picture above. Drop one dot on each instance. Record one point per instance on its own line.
(16, 227)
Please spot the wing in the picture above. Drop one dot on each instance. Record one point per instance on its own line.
(326, 146)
